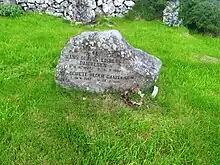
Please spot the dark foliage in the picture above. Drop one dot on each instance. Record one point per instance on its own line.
(10, 10)
(147, 9)
(201, 15)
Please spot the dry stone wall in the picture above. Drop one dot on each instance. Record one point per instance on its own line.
(87, 10)
(78, 10)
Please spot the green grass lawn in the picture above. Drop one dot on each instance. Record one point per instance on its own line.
(40, 123)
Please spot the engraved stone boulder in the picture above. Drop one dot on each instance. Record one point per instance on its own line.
(104, 61)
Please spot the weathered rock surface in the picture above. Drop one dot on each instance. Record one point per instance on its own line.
(171, 13)
(77, 10)
(104, 61)
(108, 8)
(129, 3)
(87, 10)
(118, 2)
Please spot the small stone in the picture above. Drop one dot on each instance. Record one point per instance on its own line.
(23, 4)
(49, 12)
(92, 4)
(39, 1)
(56, 6)
(49, 2)
(60, 10)
(44, 5)
(64, 4)
(129, 3)
(86, 15)
(98, 11)
(58, 1)
(21, 1)
(58, 14)
(108, 8)
(118, 2)
(31, 6)
(99, 2)
(31, 1)
(70, 7)
(123, 9)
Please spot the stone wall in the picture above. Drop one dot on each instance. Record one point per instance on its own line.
(87, 10)
(171, 13)
(78, 10)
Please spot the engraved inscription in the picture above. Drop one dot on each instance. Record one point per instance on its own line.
(99, 69)
(104, 61)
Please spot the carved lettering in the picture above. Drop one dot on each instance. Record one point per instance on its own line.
(95, 64)
(99, 69)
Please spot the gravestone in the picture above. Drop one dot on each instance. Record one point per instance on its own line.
(104, 61)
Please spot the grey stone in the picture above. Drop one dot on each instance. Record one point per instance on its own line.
(83, 12)
(129, 3)
(108, 8)
(99, 2)
(104, 61)
(70, 7)
(85, 15)
(58, 14)
(118, 2)
(64, 4)
(58, 1)
(91, 4)
(23, 4)
(39, 1)
(117, 10)
(123, 9)
(49, 11)
(49, 2)
(60, 10)
(31, 1)
(171, 13)
(71, 15)
(119, 15)
(44, 5)
(98, 11)
(31, 6)
(56, 6)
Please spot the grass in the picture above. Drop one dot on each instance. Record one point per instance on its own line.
(41, 123)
